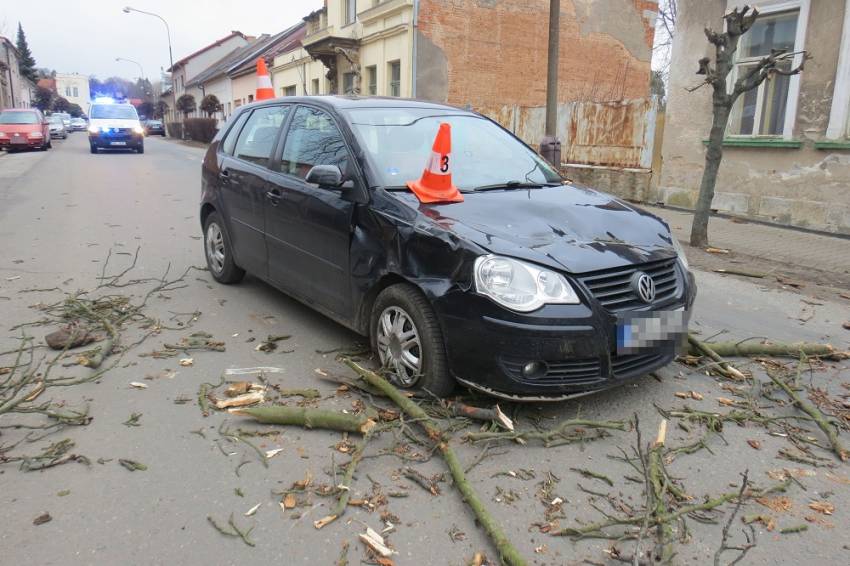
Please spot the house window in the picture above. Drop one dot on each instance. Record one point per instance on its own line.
(350, 11)
(289, 91)
(348, 83)
(67, 91)
(76, 91)
(372, 80)
(761, 111)
(316, 86)
(395, 78)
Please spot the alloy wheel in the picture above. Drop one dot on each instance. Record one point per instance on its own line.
(399, 346)
(215, 247)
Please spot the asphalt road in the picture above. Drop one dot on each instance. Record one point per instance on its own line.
(63, 212)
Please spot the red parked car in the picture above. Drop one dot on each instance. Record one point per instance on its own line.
(22, 128)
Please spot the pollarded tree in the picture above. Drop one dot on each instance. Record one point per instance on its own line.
(160, 110)
(777, 63)
(43, 99)
(186, 104)
(61, 104)
(210, 105)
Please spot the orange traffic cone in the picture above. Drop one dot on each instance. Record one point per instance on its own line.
(264, 81)
(435, 185)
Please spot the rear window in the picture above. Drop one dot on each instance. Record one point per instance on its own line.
(18, 118)
(114, 112)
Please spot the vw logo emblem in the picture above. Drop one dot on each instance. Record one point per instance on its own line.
(643, 286)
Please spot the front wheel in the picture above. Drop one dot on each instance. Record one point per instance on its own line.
(409, 341)
(219, 252)
(140, 149)
(93, 148)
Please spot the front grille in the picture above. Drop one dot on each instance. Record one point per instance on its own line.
(633, 363)
(561, 372)
(613, 289)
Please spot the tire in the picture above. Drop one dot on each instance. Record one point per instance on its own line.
(223, 269)
(93, 148)
(140, 149)
(431, 371)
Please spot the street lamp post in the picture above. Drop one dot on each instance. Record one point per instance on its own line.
(127, 10)
(141, 70)
(550, 147)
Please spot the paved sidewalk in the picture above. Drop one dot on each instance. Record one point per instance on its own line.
(803, 249)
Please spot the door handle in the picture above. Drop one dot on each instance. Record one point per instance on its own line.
(274, 196)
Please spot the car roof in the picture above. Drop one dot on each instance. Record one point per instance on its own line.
(20, 110)
(347, 102)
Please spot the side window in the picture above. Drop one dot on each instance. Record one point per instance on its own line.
(313, 139)
(256, 140)
(230, 139)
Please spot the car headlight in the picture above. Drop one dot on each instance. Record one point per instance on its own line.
(36, 135)
(93, 129)
(139, 129)
(680, 251)
(521, 286)
(2, 134)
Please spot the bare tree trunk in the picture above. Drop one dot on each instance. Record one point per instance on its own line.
(713, 156)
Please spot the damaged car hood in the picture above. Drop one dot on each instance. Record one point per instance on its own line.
(565, 227)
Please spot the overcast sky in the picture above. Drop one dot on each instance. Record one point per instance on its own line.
(85, 36)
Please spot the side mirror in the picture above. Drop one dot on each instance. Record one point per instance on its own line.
(326, 176)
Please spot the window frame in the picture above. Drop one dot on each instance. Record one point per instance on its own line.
(770, 8)
(390, 81)
(349, 14)
(372, 80)
(284, 126)
(353, 171)
(233, 130)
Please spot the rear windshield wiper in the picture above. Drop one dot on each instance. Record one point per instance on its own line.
(514, 185)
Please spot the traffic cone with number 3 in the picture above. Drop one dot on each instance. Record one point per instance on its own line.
(435, 185)
(264, 82)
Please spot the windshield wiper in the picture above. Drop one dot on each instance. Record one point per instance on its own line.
(514, 185)
(406, 188)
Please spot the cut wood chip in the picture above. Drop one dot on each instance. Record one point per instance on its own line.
(289, 501)
(775, 504)
(503, 419)
(376, 542)
(716, 250)
(824, 507)
(138, 385)
(755, 444)
(689, 395)
(325, 521)
(273, 453)
(186, 362)
(783, 474)
(251, 398)
(252, 510)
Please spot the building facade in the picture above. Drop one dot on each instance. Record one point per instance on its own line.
(16, 91)
(786, 158)
(74, 88)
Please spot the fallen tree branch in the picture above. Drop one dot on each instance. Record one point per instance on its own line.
(509, 554)
(722, 364)
(830, 431)
(308, 418)
(746, 349)
(345, 486)
(551, 436)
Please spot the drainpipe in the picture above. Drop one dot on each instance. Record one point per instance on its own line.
(415, 44)
(550, 147)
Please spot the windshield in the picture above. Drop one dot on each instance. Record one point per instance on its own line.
(18, 118)
(55, 119)
(113, 111)
(399, 141)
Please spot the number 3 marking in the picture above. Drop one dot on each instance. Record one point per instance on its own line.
(444, 165)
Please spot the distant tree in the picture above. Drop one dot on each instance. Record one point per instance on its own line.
(45, 73)
(27, 62)
(779, 62)
(143, 89)
(61, 104)
(160, 110)
(210, 105)
(145, 109)
(43, 98)
(75, 110)
(186, 104)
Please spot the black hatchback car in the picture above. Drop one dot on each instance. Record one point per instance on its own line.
(532, 287)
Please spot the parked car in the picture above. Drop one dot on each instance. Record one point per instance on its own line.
(66, 119)
(57, 127)
(532, 287)
(154, 127)
(115, 126)
(78, 125)
(22, 128)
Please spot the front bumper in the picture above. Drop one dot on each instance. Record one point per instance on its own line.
(576, 345)
(22, 143)
(116, 139)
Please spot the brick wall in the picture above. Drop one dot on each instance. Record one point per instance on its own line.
(490, 52)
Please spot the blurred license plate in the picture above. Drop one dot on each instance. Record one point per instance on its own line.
(19, 139)
(117, 143)
(638, 331)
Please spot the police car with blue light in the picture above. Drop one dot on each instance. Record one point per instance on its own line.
(115, 125)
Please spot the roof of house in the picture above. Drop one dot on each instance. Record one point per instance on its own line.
(220, 67)
(215, 43)
(279, 43)
(47, 83)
